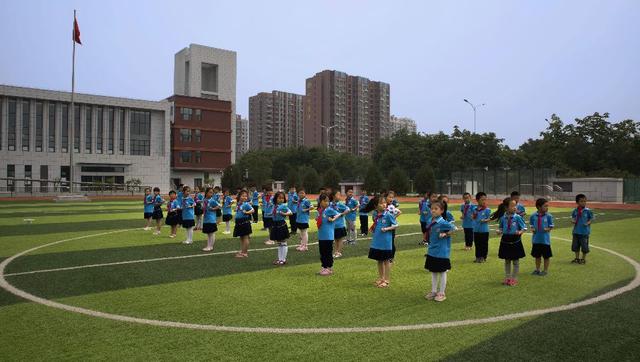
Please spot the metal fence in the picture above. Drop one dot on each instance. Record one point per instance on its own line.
(631, 190)
(498, 182)
(13, 187)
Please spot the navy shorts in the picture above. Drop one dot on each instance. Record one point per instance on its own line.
(580, 242)
(541, 250)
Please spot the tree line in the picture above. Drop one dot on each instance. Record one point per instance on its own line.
(593, 146)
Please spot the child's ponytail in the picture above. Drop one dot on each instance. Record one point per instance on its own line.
(502, 209)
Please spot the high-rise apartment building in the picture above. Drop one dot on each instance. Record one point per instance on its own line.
(275, 120)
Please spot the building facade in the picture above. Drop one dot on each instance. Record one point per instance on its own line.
(206, 72)
(276, 120)
(242, 136)
(114, 139)
(345, 113)
(200, 140)
(400, 123)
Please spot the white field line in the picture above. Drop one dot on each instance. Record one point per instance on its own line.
(152, 322)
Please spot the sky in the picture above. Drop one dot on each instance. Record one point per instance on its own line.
(524, 59)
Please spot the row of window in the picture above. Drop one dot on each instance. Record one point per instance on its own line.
(190, 156)
(188, 135)
(187, 114)
(94, 117)
(49, 185)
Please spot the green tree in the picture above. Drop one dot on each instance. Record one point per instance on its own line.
(398, 181)
(332, 178)
(425, 179)
(373, 181)
(311, 180)
(232, 178)
(292, 179)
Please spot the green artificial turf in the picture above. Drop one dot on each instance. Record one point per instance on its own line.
(220, 290)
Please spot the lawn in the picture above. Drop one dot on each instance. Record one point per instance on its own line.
(182, 284)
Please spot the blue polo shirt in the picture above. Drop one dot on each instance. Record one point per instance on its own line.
(449, 217)
(158, 201)
(467, 211)
(520, 210)
(439, 247)
(148, 203)
(255, 198)
(303, 216)
(175, 205)
(199, 198)
(581, 227)
(327, 228)
(424, 206)
(188, 212)
(209, 213)
(511, 224)
(245, 206)
(381, 240)
(539, 235)
(267, 206)
(292, 202)
(281, 208)
(352, 204)
(226, 206)
(481, 227)
(364, 200)
(340, 208)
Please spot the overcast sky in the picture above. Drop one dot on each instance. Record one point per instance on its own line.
(524, 59)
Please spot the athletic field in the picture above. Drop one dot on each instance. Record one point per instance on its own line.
(94, 286)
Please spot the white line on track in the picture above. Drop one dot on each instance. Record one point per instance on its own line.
(327, 330)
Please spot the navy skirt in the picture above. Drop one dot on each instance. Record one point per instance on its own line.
(279, 231)
(339, 233)
(511, 247)
(380, 255)
(172, 218)
(157, 214)
(242, 227)
(188, 223)
(209, 227)
(437, 265)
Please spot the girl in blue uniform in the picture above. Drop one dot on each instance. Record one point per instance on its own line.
(227, 213)
(350, 219)
(209, 226)
(199, 209)
(466, 210)
(188, 215)
(242, 228)
(424, 207)
(279, 231)
(438, 251)
(511, 226)
(381, 248)
(340, 229)
(173, 213)
(148, 208)
(267, 220)
(302, 219)
(541, 223)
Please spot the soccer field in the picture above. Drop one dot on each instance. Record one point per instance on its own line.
(102, 288)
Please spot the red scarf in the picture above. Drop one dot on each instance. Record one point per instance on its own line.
(169, 205)
(478, 210)
(466, 208)
(509, 223)
(319, 218)
(579, 214)
(428, 231)
(540, 216)
(275, 209)
(375, 222)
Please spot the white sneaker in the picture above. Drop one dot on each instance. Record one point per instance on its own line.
(187, 242)
(146, 228)
(226, 232)
(207, 249)
(269, 242)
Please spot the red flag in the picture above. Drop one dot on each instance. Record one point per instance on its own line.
(76, 31)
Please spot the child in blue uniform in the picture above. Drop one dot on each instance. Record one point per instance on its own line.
(364, 216)
(511, 226)
(148, 208)
(173, 213)
(199, 209)
(227, 214)
(520, 210)
(350, 219)
(438, 251)
(188, 215)
(302, 219)
(242, 229)
(381, 248)
(541, 223)
(157, 209)
(467, 209)
(581, 217)
(264, 199)
(255, 203)
(292, 204)
(326, 231)
(279, 231)
(210, 225)
(341, 231)
(481, 216)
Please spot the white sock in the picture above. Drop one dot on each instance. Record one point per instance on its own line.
(211, 239)
(304, 237)
(443, 282)
(282, 249)
(190, 234)
(434, 282)
(228, 223)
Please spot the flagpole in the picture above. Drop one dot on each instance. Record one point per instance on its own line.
(73, 108)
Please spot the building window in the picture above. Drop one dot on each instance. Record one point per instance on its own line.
(44, 175)
(198, 115)
(28, 174)
(26, 125)
(122, 129)
(11, 125)
(65, 128)
(11, 173)
(210, 77)
(52, 127)
(186, 113)
(76, 128)
(185, 156)
(117, 169)
(140, 133)
(197, 156)
(99, 130)
(88, 129)
(197, 135)
(197, 182)
(185, 135)
(39, 126)
(111, 130)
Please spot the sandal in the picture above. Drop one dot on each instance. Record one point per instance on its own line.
(384, 284)
(575, 261)
(242, 255)
(378, 282)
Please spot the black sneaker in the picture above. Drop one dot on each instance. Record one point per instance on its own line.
(575, 261)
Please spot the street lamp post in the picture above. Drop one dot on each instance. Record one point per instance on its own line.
(327, 130)
(474, 112)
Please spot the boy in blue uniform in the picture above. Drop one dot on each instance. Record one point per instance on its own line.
(352, 204)
(188, 214)
(227, 214)
(541, 223)
(520, 210)
(581, 217)
(302, 219)
(364, 216)
(467, 209)
(424, 208)
(148, 208)
(326, 232)
(255, 203)
(157, 209)
(292, 204)
(481, 216)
